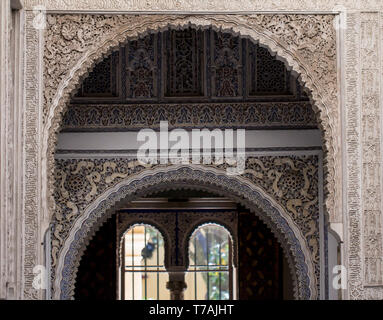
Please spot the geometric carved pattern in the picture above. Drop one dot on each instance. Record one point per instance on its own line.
(31, 162)
(102, 81)
(363, 113)
(260, 260)
(210, 115)
(355, 273)
(205, 6)
(221, 6)
(291, 180)
(96, 278)
(269, 76)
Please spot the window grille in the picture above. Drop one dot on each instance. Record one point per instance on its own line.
(145, 274)
(210, 272)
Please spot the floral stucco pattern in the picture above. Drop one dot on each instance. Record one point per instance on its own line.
(291, 180)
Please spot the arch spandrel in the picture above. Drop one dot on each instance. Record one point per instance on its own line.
(307, 43)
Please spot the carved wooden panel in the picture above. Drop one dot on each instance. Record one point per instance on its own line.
(183, 57)
(103, 81)
(226, 65)
(140, 72)
(189, 64)
(260, 260)
(96, 278)
(268, 76)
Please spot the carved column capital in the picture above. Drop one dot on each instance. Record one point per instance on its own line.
(176, 289)
(176, 285)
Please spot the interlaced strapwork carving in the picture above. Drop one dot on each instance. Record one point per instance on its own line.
(189, 65)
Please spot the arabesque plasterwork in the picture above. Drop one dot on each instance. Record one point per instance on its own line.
(31, 162)
(201, 5)
(74, 43)
(363, 114)
(222, 115)
(291, 180)
(194, 177)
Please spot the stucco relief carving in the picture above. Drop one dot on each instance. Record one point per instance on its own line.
(74, 43)
(353, 155)
(202, 5)
(292, 181)
(371, 150)
(363, 243)
(205, 178)
(210, 115)
(31, 162)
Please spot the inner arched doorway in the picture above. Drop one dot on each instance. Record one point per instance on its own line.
(260, 272)
(185, 177)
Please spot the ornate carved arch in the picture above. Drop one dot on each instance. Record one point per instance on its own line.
(195, 177)
(307, 44)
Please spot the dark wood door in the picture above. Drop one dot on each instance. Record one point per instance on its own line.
(260, 260)
(97, 276)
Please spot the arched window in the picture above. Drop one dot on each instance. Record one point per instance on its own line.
(210, 273)
(144, 275)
